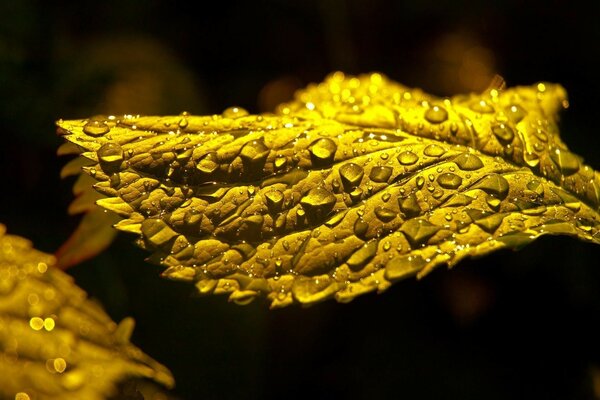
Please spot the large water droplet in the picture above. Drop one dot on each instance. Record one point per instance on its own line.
(566, 161)
(491, 222)
(418, 231)
(274, 199)
(208, 163)
(536, 186)
(449, 180)
(436, 115)
(407, 158)
(433, 150)
(110, 153)
(96, 128)
(468, 162)
(482, 106)
(493, 184)
(234, 112)
(362, 256)
(504, 133)
(360, 227)
(409, 205)
(254, 155)
(380, 174)
(322, 151)
(351, 175)
(318, 203)
(385, 214)
(516, 113)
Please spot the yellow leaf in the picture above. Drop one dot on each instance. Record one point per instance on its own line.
(54, 342)
(357, 183)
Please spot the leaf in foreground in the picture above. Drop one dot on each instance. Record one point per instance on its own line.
(357, 183)
(54, 342)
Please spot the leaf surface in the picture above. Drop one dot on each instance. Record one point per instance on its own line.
(357, 183)
(54, 342)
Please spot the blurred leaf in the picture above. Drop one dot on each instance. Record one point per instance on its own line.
(357, 183)
(54, 342)
(94, 233)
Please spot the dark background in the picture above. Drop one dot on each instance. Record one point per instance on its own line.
(513, 325)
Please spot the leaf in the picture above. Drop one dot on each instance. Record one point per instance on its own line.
(357, 183)
(54, 342)
(94, 232)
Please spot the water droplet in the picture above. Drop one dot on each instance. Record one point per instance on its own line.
(433, 150)
(418, 231)
(274, 200)
(234, 112)
(491, 222)
(449, 180)
(493, 184)
(536, 186)
(360, 227)
(280, 162)
(504, 133)
(336, 219)
(468, 162)
(387, 246)
(356, 194)
(110, 153)
(436, 115)
(409, 205)
(403, 266)
(183, 123)
(362, 256)
(482, 106)
(96, 128)
(567, 162)
(318, 203)
(385, 197)
(385, 214)
(516, 113)
(208, 163)
(407, 158)
(380, 174)
(322, 151)
(351, 175)
(420, 182)
(253, 155)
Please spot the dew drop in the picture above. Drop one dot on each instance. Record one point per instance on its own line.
(380, 174)
(234, 112)
(482, 106)
(274, 200)
(322, 151)
(362, 256)
(516, 113)
(110, 153)
(351, 175)
(318, 203)
(208, 163)
(384, 214)
(433, 150)
(468, 162)
(96, 128)
(566, 161)
(504, 133)
(449, 180)
(407, 158)
(360, 227)
(420, 182)
(436, 115)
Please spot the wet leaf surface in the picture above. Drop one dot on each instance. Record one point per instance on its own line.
(357, 183)
(54, 342)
